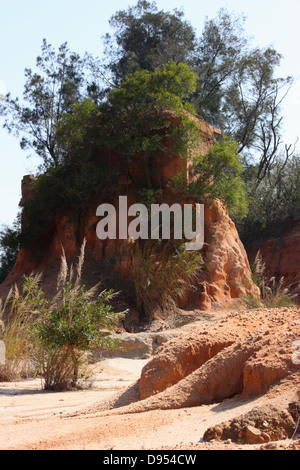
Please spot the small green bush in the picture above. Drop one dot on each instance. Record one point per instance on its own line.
(58, 335)
(76, 321)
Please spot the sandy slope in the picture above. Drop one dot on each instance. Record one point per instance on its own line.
(34, 419)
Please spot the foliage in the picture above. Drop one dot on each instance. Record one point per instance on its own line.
(217, 174)
(146, 38)
(238, 89)
(77, 131)
(160, 273)
(274, 292)
(274, 205)
(9, 246)
(48, 93)
(149, 196)
(69, 189)
(77, 321)
(159, 74)
(59, 333)
(217, 56)
(148, 115)
(133, 121)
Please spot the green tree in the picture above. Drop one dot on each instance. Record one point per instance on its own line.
(217, 174)
(238, 90)
(146, 38)
(77, 131)
(139, 118)
(10, 238)
(146, 116)
(48, 93)
(275, 206)
(218, 54)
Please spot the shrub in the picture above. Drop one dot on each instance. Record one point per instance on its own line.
(149, 115)
(76, 321)
(217, 174)
(161, 273)
(57, 335)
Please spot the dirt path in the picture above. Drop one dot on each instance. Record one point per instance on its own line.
(33, 419)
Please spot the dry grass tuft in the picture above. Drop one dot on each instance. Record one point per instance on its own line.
(160, 274)
(274, 292)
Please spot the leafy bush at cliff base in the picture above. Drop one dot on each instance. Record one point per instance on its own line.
(76, 321)
(217, 174)
(59, 333)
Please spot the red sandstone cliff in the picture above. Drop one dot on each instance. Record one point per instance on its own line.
(226, 274)
(281, 255)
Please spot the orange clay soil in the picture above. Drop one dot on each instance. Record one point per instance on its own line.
(211, 373)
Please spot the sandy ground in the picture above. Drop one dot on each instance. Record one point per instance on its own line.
(32, 419)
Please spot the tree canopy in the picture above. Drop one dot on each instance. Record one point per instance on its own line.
(49, 92)
(146, 38)
(137, 117)
(154, 60)
(238, 87)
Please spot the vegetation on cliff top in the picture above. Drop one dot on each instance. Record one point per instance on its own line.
(154, 60)
(148, 115)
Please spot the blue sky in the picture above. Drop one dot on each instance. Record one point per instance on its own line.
(24, 24)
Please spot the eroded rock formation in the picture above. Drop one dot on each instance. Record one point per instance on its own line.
(226, 274)
(243, 354)
(281, 256)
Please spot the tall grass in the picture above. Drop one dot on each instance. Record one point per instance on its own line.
(274, 292)
(77, 320)
(20, 313)
(57, 335)
(160, 274)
